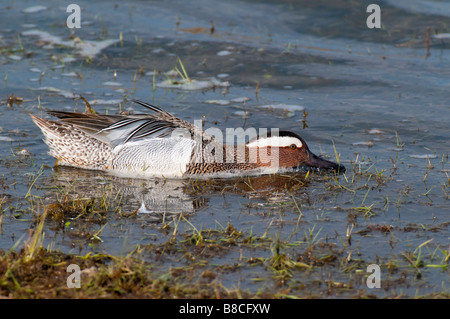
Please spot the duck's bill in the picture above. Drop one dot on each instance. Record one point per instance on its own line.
(320, 163)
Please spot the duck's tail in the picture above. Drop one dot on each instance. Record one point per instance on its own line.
(73, 147)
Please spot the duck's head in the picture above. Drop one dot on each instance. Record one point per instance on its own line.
(291, 150)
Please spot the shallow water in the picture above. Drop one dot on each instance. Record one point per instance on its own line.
(373, 93)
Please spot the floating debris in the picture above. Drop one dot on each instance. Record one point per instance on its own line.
(111, 83)
(5, 139)
(92, 48)
(51, 89)
(23, 152)
(15, 57)
(240, 99)
(34, 9)
(367, 143)
(242, 113)
(362, 163)
(219, 102)
(86, 48)
(222, 75)
(284, 107)
(441, 36)
(191, 85)
(70, 74)
(68, 59)
(158, 50)
(36, 70)
(224, 53)
(47, 37)
(375, 131)
(423, 156)
(172, 72)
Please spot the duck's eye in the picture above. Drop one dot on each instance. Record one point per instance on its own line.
(293, 146)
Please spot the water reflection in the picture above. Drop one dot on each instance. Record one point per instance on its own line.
(156, 196)
(163, 198)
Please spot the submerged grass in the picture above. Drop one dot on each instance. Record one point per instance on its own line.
(202, 263)
(191, 261)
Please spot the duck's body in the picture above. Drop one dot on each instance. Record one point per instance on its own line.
(162, 145)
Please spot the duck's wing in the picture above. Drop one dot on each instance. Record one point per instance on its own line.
(89, 123)
(119, 129)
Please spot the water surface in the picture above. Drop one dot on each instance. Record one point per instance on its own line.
(379, 97)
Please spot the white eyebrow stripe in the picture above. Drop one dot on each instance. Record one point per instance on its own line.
(275, 141)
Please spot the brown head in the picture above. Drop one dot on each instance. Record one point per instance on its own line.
(289, 150)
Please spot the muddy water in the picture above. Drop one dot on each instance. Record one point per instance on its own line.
(380, 96)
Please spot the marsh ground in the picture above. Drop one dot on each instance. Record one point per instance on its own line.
(375, 99)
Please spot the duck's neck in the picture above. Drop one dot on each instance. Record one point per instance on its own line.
(231, 157)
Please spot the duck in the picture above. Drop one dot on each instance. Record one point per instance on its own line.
(159, 144)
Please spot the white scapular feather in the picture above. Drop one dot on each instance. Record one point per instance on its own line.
(275, 141)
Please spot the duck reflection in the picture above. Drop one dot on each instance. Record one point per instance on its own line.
(162, 198)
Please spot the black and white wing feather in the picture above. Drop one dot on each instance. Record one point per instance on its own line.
(117, 130)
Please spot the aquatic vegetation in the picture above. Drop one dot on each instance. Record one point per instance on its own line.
(179, 79)
(295, 235)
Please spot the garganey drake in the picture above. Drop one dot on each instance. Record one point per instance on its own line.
(160, 144)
